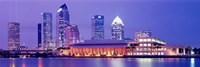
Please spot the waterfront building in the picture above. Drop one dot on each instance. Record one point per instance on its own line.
(98, 48)
(117, 29)
(47, 30)
(62, 21)
(72, 33)
(144, 46)
(39, 34)
(97, 27)
(13, 35)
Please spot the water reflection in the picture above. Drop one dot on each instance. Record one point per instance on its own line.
(24, 63)
(100, 62)
(117, 63)
(12, 62)
(192, 62)
(144, 62)
(40, 62)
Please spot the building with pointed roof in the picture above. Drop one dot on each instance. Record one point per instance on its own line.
(117, 29)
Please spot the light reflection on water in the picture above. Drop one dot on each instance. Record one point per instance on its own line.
(192, 62)
(99, 62)
(144, 62)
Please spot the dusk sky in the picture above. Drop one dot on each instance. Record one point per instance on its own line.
(177, 22)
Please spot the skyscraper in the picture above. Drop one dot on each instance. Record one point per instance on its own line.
(97, 27)
(47, 30)
(72, 33)
(117, 29)
(62, 21)
(13, 35)
(39, 34)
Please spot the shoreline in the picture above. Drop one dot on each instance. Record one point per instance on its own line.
(108, 57)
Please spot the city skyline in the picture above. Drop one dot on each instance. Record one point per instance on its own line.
(170, 37)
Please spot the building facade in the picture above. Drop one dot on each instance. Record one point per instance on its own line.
(72, 33)
(47, 30)
(39, 34)
(62, 21)
(97, 27)
(144, 46)
(117, 29)
(13, 35)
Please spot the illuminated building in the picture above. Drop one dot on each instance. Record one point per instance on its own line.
(98, 48)
(47, 30)
(117, 29)
(62, 21)
(97, 27)
(72, 33)
(39, 35)
(144, 46)
(13, 35)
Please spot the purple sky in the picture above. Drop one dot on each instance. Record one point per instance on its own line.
(177, 22)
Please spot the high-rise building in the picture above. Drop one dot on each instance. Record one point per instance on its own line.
(39, 34)
(97, 27)
(62, 21)
(13, 35)
(47, 30)
(117, 29)
(72, 33)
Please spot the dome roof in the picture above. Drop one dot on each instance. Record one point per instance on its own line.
(117, 20)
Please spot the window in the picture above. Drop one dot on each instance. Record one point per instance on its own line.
(145, 40)
(145, 44)
(149, 44)
(162, 53)
(149, 40)
(141, 44)
(140, 40)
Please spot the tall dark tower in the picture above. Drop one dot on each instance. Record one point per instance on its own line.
(62, 21)
(39, 34)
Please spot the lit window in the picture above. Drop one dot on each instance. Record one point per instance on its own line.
(149, 44)
(141, 45)
(149, 40)
(140, 40)
(137, 53)
(137, 49)
(152, 53)
(145, 40)
(145, 53)
(162, 53)
(149, 53)
(145, 44)
(141, 53)
(158, 53)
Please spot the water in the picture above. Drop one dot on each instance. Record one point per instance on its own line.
(99, 62)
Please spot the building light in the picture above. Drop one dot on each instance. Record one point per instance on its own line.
(145, 40)
(149, 40)
(141, 44)
(140, 40)
(145, 44)
(99, 16)
(137, 49)
(149, 44)
(162, 53)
